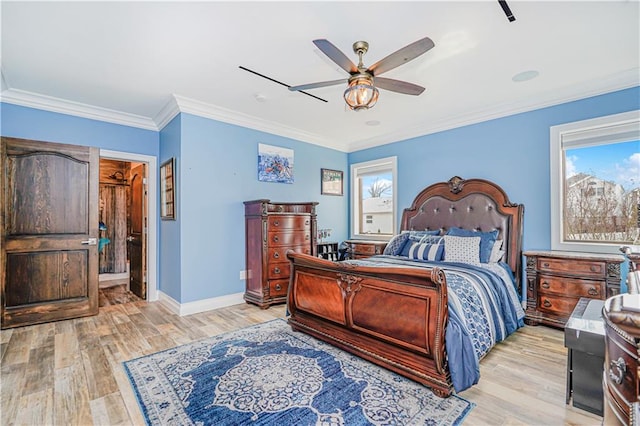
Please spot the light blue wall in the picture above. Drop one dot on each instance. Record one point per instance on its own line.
(29, 123)
(218, 172)
(170, 236)
(511, 151)
(202, 252)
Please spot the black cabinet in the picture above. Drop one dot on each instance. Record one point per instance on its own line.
(584, 337)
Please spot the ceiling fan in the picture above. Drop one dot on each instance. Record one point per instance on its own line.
(362, 92)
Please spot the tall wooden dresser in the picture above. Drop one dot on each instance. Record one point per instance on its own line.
(556, 280)
(621, 381)
(271, 229)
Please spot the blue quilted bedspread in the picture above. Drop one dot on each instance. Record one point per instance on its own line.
(484, 309)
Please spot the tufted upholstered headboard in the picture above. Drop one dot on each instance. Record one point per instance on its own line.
(475, 204)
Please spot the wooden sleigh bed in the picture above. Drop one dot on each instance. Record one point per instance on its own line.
(396, 315)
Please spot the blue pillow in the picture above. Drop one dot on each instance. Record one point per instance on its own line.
(395, 245)
(424, 251)
(487, 239)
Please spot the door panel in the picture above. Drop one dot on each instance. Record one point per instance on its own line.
(137, 235)
(49, 256)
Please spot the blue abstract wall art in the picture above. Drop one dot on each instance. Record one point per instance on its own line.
(275, 164)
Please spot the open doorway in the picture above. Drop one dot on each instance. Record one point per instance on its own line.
(127, 228)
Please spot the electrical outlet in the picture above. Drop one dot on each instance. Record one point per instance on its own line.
(243, 275)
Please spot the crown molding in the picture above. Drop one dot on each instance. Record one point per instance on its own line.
(177, 104)
(168, 112)
(202, 109)
(620, 81)
(49, 103)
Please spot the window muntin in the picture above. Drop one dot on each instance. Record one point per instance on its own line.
(595, 181)
(373, 189)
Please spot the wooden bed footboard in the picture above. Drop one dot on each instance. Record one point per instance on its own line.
(395, 317)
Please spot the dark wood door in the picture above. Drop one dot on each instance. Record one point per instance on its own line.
(136, 241)
(49, 231)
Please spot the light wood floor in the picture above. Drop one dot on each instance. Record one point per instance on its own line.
(70, 372)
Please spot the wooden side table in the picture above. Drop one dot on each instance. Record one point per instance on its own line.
(358, 249)
(556, 280)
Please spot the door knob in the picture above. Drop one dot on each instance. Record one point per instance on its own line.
(130, 238)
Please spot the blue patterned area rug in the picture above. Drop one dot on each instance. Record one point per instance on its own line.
(269, 375)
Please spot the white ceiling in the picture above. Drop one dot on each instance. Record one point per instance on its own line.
(140, 62)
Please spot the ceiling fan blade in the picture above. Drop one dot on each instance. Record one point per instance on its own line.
(397, 86)
(336, 55)
(316, 85)
(401, 56)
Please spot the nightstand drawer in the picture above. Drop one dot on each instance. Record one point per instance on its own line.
(359, 249)
(583, 268)
(571, 286)
(560, 306)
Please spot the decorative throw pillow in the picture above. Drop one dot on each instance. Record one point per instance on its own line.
(395, 245)
(461, 249)
(486, 240)
(418, 235)
(496, 252)
(424, 251)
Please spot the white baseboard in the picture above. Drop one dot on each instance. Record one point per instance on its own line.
(198, 306)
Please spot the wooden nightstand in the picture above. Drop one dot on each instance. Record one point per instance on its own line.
(556, 280)
(358, 249)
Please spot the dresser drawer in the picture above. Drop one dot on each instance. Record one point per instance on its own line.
(279, 270)
(278, 288)
(559, 306)
(279, 254)
(571, 286)
(584, 268)
(301, 222)
(289, 238)
(621, 369)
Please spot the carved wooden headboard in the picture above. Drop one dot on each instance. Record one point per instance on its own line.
(475, 204)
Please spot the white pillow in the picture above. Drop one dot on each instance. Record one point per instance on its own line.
(496, 252)
(461, 249)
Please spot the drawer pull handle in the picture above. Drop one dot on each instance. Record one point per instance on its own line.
(276, 239)
(278, 287)
(593, 268)
(280, 209)
(306, 237)
(545, 265)
(276, 255)
(593, 291)
(306, 222)
(546, 303)
(545, 284)
(621, 369)
(276, 270)
(276, 223)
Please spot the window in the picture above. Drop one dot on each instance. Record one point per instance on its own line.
(595, 184)
(373, 199)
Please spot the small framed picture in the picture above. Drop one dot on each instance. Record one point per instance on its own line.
(167, 190)
(331, 182)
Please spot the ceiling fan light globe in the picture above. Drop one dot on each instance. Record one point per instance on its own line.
(361, 94)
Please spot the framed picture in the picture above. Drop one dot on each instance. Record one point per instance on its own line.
(167, 190)
(331, 182)
(275, 164)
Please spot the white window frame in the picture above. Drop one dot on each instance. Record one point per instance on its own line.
(594, 131)
(367, 167)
